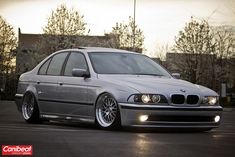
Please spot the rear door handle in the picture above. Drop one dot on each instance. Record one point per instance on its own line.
(38, 82)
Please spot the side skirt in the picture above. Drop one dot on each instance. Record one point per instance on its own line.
(86, 119)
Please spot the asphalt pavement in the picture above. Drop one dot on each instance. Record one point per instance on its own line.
(55, 139)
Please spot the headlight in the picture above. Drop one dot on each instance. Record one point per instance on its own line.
(148, 98)
(211, 100)
(145, 98)
(156, 98)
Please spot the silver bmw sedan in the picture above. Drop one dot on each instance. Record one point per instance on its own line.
(113, 88)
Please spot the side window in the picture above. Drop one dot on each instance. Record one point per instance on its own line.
(56, 64)
(76, 60)
(43, 68)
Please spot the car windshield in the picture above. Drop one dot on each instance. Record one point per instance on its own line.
(125, 63)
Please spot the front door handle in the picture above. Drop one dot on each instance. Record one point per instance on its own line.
(60, 83)
(38, 82)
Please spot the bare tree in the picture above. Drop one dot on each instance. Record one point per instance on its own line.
(62, 28)
(64, 21)
(127, 32)
(61, 31)
(224, 37)
(203, 53)
(196, 52)
(8, 44)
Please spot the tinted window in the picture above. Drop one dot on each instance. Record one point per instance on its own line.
(76, 60)
(43, 69)
(125, 63)
(56, 64)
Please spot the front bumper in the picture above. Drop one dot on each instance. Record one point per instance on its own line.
(166, 116)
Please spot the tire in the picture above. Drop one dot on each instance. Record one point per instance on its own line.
(107, 112)
(30, 111)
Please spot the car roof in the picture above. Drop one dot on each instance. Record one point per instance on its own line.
(99, 49)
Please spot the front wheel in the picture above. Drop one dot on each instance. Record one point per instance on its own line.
(30, 111)
(107, 112)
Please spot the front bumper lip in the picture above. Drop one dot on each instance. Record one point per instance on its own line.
(130, 115)
(169, 107)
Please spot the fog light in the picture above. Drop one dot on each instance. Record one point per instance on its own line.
(143, 118)
(217, 119)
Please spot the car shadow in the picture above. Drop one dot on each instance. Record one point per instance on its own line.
(84, 126)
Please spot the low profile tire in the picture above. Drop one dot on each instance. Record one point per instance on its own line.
(30, 111)
(107, 112)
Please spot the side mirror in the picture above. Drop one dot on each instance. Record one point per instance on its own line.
(80, 73)
(176, 75)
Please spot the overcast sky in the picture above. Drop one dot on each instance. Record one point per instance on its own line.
(161, 20)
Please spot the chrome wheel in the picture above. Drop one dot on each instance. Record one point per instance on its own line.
(28, 106)
(30, 109)
(106, 111)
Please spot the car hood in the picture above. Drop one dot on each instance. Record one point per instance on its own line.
(156, 84)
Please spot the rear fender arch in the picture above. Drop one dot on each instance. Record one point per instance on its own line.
(31, 89)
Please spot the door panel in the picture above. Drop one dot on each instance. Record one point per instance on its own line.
(73, 90)
(47, 83)
(47, 92)
(73, 95)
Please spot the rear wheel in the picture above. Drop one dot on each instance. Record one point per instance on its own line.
(30, 111)
(107, 112)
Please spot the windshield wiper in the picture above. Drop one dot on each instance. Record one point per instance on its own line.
(149, 74)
